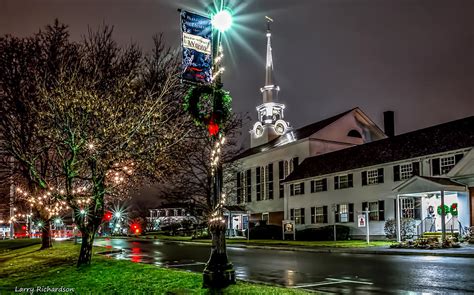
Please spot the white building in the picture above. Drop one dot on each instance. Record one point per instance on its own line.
(347, 164)
(416, 171)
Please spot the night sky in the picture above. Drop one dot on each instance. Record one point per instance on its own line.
(413, 57)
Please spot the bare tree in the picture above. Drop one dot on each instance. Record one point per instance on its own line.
(25, 64)
(192, 184)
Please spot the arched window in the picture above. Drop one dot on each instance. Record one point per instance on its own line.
(354, 133)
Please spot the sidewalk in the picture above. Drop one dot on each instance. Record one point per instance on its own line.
(466, 250)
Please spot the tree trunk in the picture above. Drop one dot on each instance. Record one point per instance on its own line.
(85, 256)
(46, 236)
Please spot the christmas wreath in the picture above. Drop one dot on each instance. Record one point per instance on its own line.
(454, 209)
(208, 106)
(440, 209)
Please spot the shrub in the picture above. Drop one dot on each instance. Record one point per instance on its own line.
(325, 233)
(268, 232)
(408, 228)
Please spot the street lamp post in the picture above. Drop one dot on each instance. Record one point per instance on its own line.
(219, 271)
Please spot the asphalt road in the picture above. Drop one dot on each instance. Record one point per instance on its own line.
(333, 273)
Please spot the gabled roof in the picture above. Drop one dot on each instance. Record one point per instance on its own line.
(298, 134)
(432, 140)
(421, 184)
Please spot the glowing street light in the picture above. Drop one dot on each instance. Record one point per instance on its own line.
(82, 211)
(222, 20)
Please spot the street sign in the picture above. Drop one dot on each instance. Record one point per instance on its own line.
(361, 220)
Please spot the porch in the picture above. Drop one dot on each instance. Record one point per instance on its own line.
(438, 205)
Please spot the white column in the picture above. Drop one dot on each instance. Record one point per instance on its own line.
(443, 218)
(397, 214)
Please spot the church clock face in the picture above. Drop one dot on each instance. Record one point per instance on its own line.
(258, 129)
(280, 127)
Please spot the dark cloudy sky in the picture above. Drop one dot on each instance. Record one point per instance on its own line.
(415, 57)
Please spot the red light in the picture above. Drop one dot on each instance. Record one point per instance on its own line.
(212, 127)
(107, 216)
(23, 227)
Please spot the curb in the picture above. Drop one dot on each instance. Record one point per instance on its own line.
(340, 250)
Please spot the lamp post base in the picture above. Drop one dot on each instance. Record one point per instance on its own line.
(218, 276)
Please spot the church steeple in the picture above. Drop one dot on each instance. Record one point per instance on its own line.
(270, 90)
(270, 122)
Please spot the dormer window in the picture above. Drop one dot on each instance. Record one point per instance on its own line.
(354, 133)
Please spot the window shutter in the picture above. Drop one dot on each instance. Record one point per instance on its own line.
(435, 166)
(381, 210)
(350, 180)
(292, 214)
(249, 185)
(313, 214)
(458, 158)
(336, 182)
(380, 175)
(351, 212)
(364, 205)
(396, 173)
(295, 163)
(239, 188)
(270, 181)
(325, 214)
(364, 177)
(302, 188)
(302, 216)
(336, 214)
(312, 184)
(325, 184)
(416, 168)
(292, 189)
(418, 208)
(281, 170)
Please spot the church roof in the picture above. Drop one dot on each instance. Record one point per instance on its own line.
(432, 140)
(297, 134)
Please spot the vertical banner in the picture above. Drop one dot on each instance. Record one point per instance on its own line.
(196, 45)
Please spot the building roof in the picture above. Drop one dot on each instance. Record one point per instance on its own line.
(432, 140)
(298, 134)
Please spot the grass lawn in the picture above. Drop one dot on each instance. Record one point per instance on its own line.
(8, 245)
(324, 244)
(27, 267)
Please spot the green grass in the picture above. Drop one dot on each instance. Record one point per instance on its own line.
(28, 267)
(8, 245)
(322, 244)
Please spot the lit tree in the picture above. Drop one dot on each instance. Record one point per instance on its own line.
(113, 117)
(26, 65)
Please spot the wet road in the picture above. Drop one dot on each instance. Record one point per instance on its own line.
(333, 273)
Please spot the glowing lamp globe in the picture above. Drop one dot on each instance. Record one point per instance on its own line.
(222, 20)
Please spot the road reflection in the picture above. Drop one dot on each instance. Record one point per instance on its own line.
(323, 272)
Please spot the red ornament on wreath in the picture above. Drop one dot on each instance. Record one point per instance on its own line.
(212, 127)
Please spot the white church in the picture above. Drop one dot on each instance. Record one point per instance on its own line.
(330, 171)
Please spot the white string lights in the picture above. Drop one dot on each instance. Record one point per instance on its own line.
(216, 216)
(218, 69)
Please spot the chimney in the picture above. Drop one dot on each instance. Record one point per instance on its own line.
(389, 123)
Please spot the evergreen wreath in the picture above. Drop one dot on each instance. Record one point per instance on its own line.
(207, 103)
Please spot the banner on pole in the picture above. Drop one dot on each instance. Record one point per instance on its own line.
(196, 42)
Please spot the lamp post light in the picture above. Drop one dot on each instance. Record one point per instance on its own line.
(219, 271)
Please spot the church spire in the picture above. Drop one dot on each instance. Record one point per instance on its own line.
(271, 122)
(270, 90)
